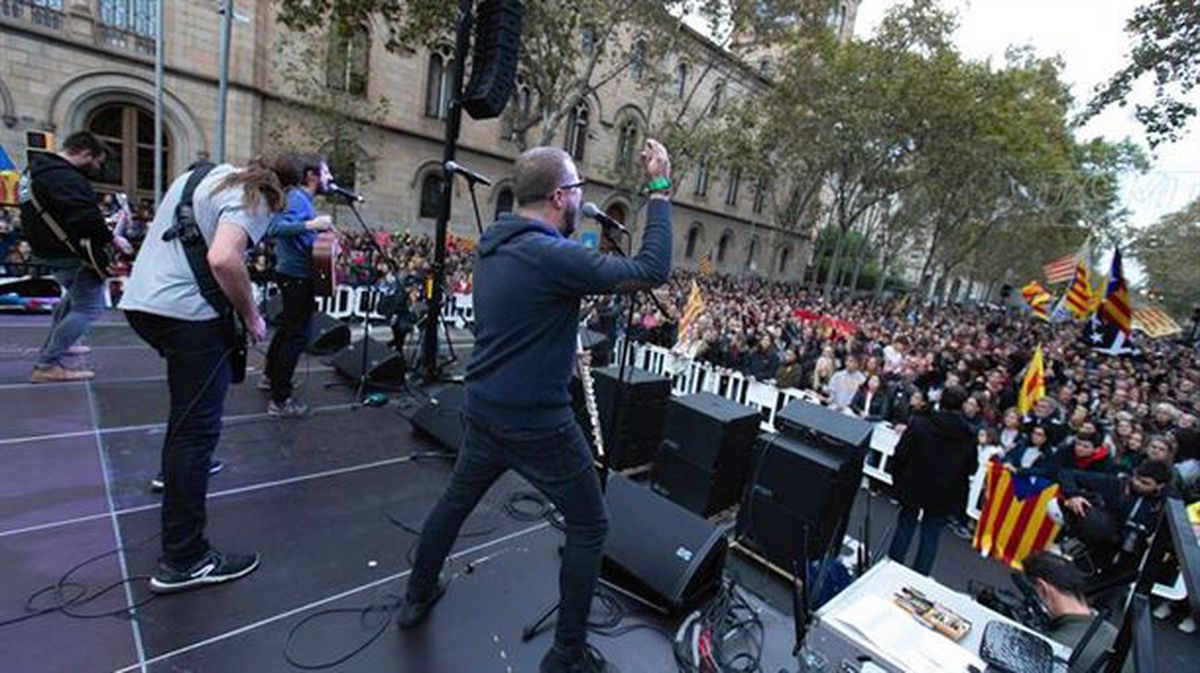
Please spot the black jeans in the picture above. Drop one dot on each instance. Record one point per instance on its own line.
(197, 379)
(931, 531)
(291, 338)
(557, 462)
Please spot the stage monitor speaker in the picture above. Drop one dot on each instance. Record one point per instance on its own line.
(702, 460)
(498, 26)
(329, 335)
(600, 346)
(643, 398)
(798, 499)
(824, 426)
(441, 418)
(659, 550)
(384, 365)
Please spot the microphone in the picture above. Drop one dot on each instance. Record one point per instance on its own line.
(590, 210)
(348, 194)
(453, 167)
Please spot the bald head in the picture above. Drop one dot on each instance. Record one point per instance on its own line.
(540, 171)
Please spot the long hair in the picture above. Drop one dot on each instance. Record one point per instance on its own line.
(259, 180)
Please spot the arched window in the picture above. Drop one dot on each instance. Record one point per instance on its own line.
(637, 60)
(346, 64)
(760, 194)
(504, 202)
(519, 111)
(692, 239)
(627, 143)
(750, 255)
(679, 86)
(587, 40)
(437, 84)
(723, 246)
(431, 194)
(577, 130)
(129, 131)
(783, 260)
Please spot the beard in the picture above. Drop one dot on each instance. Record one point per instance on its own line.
(570, 219)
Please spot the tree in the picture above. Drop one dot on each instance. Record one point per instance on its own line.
(1167, 251)
(1167, 34)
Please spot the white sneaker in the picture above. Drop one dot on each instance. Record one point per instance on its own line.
(1163, 611)
(1188, 625)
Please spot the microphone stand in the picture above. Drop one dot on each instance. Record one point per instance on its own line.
(372, 248)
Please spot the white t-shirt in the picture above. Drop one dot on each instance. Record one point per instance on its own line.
(162, 283)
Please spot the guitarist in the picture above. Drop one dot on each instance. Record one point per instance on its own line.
(58, 209)
(294, 230)
(167, 304)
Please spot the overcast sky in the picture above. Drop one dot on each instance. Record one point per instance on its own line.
(1089, 36)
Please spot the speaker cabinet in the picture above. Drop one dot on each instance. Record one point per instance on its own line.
(702, 460)
(328, 335)
(659, 550)
(799, 496)
(643, 399)
(441, 418)
(384, 365)
(498, 28)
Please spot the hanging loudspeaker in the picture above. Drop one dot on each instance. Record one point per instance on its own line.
(497, 48)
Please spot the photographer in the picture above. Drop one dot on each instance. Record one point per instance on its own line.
(1113, 514)
(1059, 585)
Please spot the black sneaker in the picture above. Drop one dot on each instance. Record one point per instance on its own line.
(289, 408)
(413, 612)
(157, 484)
(213, 568)
(588, 661)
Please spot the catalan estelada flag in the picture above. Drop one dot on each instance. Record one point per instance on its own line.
(1115, 308)
(9, 179)
(1079, 295)
(1015, 521)
(691, 311)
(1033, 387)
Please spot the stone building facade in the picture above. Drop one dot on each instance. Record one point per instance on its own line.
(73, 64)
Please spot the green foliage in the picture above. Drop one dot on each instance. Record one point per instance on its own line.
(1169, 250)
(1167, 47)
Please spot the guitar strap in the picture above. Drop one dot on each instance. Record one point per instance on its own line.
(82, 251)
(187, 230)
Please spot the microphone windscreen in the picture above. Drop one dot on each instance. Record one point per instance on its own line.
(590, 210)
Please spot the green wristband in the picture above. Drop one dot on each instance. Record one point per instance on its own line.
(659, 184)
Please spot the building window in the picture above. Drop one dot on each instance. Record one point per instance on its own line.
(750, 255)
(346, 64)
(587, 40)
(723, 246)
(692, 239)
(702, 177)
(431, 194)
(518, 113)
(577, 130)
(126, 23)
(42, 13)
(717, 98)
(680, 83)
(783, 259)
(732, 186)
(437, 86)
(129, 131)
(504, 202)
(627, 143)
(637, 60)
(760, 195)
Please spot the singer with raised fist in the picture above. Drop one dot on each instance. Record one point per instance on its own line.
(529, 278)
(294, 231)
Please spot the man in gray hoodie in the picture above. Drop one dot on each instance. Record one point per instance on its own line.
(529, 278)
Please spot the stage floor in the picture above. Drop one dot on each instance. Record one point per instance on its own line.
(323, 500)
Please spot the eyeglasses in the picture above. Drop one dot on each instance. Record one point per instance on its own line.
(574, 185)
